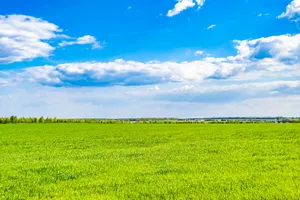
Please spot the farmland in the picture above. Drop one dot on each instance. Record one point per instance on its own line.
(138, 161)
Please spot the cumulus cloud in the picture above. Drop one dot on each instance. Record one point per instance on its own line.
(182, 5)
(292, 11)
(118, 72)
(23, 37)
(283, 48)
(211, 26)
(87, 39)
(275, 56)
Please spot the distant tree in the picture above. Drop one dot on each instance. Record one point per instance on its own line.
(22, 120)
(49, 120)
(41, 120)
(13, 119)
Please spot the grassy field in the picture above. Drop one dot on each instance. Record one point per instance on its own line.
(90, 161)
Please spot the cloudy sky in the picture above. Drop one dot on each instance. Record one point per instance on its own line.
(150, 58)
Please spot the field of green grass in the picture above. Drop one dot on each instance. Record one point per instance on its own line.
(90, 161)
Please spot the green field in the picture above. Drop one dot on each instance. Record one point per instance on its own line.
(90, 161)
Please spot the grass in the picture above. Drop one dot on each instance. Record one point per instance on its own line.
(90, 161)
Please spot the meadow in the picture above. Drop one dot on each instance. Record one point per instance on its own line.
(133, 161)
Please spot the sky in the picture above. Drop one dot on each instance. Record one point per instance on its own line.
(158, 58)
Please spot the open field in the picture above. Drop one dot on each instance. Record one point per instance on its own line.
(92, 161)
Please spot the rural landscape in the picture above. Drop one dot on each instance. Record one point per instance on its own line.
(150, 100)
(149, 161)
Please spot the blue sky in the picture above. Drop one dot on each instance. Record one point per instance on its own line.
(185, 58)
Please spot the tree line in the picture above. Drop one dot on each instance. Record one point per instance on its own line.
(31, 120)
(42, 120)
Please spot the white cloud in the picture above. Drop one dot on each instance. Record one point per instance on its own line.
(199, 52)
(283, 48)
(87, 39)
(182, 5)
(259, 15)
(154, 88)
(183, 88)
(119, 72)
(121, 102)
(292, 11)
(254, 81)
(275, 56)
(211, 26)
(200, 3)
(4, 82)
(24, 37)
(229, 93)
(129, 7)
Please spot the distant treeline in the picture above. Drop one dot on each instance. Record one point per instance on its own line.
(241, 120)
